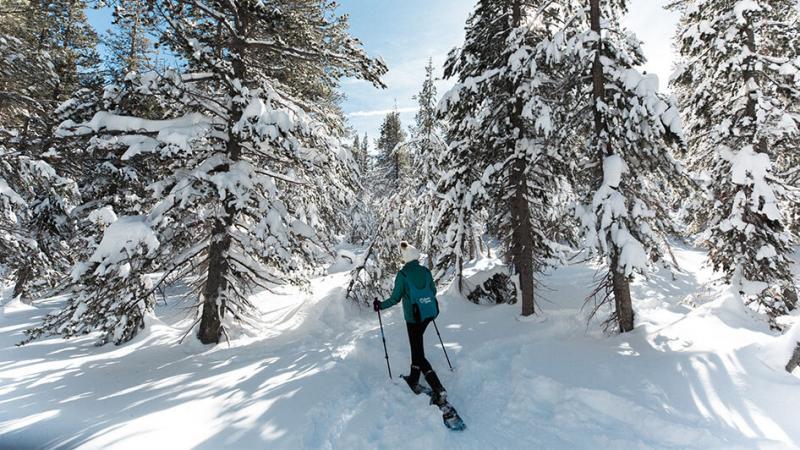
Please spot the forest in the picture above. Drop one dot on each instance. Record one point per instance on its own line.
(186, 186)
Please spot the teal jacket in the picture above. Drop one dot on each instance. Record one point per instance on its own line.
(412, 272)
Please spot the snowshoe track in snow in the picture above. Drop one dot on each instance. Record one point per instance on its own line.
(316, 378)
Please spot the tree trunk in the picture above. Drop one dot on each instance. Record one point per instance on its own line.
(598, 86)
(24, 275)
(429, 249)
(216, 286)
(471, 246)
(794, 362)
(790, 298)
(522, 246)
(622, 296)
(621, 285)
(522, 234)
(460, 274)
(749, 73)
(133, 57)
(215, 290)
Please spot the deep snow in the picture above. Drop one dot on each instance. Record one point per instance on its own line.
(699, 371)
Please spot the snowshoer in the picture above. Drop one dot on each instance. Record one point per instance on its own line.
(414, 285)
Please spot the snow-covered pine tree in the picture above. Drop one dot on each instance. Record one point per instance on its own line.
(16, 57)
(112, 181)
(391, 164)
(364, 164)
(48, 52)
(499, 124)
(405, 213)
(129, 43)
(426, 132)
(247, 165)
(426, 146)
(392, 217)
(392, 221)
(622, 134)
(738, 83)
(360, 217)
(458, 210)
(356, 150)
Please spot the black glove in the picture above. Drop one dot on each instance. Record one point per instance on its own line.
(376, 305)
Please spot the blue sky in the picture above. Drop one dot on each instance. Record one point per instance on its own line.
(405, 33)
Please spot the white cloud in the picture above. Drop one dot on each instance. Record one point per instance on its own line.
(382, 112)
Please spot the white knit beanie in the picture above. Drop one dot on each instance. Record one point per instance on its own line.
(408, 252)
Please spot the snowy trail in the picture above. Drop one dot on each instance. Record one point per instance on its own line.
(316, 378)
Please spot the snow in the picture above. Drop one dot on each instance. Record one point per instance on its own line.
(344, 262)
(778, 352)
(15, 305)
(705, 377)
(103, 216)
(112, 122)
(751, 168)
(8, 194)
(273, 121)
(613, 168)
(744, 6)
(126, 236)
(766, 251)
(178, 132)
(632, 255)
(752, 288)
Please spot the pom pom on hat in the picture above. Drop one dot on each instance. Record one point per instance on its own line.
(408, 252)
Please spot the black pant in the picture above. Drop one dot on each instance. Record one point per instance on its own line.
(416, 334)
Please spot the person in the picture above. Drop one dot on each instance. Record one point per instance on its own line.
(412, 279)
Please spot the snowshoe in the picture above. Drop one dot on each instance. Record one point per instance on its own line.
(450, 416)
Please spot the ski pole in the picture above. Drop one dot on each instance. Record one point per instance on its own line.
(383, 337)
(443, 349)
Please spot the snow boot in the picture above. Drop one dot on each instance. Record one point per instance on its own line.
(412, 379)
(416, 387)
(439, 397)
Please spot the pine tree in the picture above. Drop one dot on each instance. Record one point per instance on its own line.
(364, 163)
(738, 83)
(129, 43)
(360, 218)
(392, 222)
(391, 163)
(427, 145)
(249, 169)
(401, 211)
(357, 149)
(499, 124)
(458, 211)
(621, 134)
(48, 53)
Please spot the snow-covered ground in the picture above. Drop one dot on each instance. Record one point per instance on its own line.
(698, 372)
